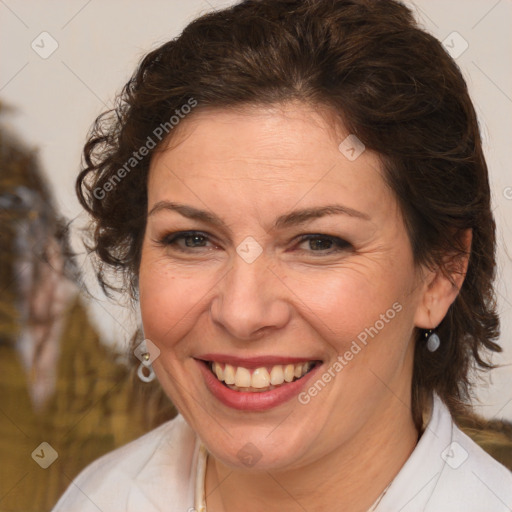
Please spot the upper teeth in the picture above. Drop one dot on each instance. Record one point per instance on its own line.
(260, 377)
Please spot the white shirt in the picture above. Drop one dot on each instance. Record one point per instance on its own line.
(447, 472)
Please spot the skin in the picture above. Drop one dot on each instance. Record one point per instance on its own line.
(248, 167)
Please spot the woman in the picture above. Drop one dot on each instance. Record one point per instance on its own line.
(296, 193)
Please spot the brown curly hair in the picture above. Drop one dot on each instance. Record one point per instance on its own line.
(392, 85)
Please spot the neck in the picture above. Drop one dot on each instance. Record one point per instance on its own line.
(350, 478)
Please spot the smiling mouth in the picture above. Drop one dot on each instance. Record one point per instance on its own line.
(258, 380)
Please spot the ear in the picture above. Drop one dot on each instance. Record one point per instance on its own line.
(442, 285)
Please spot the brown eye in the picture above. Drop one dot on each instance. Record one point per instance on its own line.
(186, 240)
(324, 244)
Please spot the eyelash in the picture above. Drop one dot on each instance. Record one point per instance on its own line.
(172, 238)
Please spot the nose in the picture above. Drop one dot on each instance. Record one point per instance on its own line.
(250, 301)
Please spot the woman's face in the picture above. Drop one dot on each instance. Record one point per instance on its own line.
(269, 251)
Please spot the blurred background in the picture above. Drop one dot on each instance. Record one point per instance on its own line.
(66, 375)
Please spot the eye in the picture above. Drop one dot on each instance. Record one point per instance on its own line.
(186, 241)
(324, 244)
(197, 241)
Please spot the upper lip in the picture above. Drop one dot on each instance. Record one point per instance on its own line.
(254, 362)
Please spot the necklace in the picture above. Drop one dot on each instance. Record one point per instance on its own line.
(379, 499)
(200, 487)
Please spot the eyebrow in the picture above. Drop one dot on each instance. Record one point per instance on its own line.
(293, 218)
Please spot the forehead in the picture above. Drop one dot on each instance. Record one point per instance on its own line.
(273, 157)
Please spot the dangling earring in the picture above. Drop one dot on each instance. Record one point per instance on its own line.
(145, 363)
(433, 341)
(146, 352)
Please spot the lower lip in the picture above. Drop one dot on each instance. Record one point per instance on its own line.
(257, 401)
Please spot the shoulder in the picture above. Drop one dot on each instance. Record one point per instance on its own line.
(469, 479)
(448, 471)
(470, 475)
(153, 468)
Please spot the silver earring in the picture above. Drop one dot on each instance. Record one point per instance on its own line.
(145, 363)
(433, 341)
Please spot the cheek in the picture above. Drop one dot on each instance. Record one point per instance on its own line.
(342, 302)
(169, 300)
